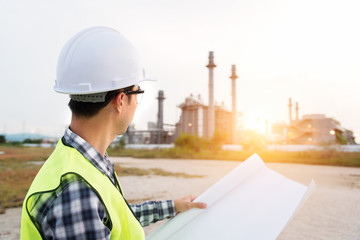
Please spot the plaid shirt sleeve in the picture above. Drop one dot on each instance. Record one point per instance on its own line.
(77, 213)
(153, 211)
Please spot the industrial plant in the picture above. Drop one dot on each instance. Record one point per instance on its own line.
(199, 119)
(196, 117)
(203, 120)
(316, 129)
(157, 133)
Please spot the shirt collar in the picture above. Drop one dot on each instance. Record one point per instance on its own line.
(102, 163)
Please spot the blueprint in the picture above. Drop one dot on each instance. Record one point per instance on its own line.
(250, 202)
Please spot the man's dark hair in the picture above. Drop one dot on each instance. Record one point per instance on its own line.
(90, 109)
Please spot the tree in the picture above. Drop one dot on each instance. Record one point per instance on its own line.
(340, 139)
(2, 139)
(122, 142)
(191, 142)
(28, 140)
(253, 141)
(218, 140)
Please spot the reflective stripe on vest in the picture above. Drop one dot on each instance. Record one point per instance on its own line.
(66, 165)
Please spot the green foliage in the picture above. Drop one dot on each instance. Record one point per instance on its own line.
(122, 142)
(123, 171)
(253, 141)
(328, 157)
(340, 138)
(218, 140)
(16, 173)
(120, 145)
(14, 143)
(2, 139)
(131, 171)
(175, 152)
(28, 140)
(197, 144)
(191, 142)
(162, 172)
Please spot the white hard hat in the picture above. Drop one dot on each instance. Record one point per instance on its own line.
(97, 60)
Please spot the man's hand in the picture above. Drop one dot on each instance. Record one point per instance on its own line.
(186, 203)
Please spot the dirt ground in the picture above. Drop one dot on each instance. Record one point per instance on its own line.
(332, 212)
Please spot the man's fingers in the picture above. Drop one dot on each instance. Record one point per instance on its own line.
(186, 203)
(198, 205)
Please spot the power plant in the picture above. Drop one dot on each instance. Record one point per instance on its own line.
(203, 120)
(311, 129)
(196, 117)
(200, 119)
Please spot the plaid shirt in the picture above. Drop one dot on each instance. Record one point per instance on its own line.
(75, 212)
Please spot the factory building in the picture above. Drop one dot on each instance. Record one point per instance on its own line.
(316, 129)
(194, 119)
(204, 120)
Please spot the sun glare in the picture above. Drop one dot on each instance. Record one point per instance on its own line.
(256, 124)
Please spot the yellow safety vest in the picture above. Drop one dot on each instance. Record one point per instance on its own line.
(64, 166)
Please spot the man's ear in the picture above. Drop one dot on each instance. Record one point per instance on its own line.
(119, 101)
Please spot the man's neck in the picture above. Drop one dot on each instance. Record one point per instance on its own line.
(93, 130)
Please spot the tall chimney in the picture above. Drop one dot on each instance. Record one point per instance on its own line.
(297, 111)
(211, 113)
(160, 116)
(290, 112)
(233, 78)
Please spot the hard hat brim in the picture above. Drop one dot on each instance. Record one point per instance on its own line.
(86, 88)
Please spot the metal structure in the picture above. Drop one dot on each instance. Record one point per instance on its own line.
(194, 119)
(290, 111)
(211, 112)
(160, 116)
(157, 133)
(316, 129)
(233, 78)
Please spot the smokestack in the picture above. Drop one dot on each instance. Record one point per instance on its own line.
(297, 111)
(211, 113)
(233, 78)
(160, 120)
(160, 116)
(290, 112)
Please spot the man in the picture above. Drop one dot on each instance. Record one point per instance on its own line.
(76, 194)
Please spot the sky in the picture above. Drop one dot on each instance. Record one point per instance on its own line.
(308, 50)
